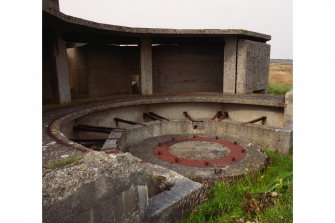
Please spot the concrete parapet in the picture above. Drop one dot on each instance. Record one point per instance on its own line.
(265, 136)
(288, 111)
(252, 67)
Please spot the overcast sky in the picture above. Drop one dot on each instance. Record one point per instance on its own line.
(273, 17)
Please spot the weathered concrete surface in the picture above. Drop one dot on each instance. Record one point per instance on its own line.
(174, 111)
(253, 162)
(187, 68)
(116, 188)
(56, 85)
(230, 65)
(175, 204)
(58, 143)
(252, 67)
(62, 71)
(78, 72)
(101, 189)
(146, 67)
(48, 77)
(288, 111)
(240, 113)
(265, 136)
(107, 69)
(198, 150)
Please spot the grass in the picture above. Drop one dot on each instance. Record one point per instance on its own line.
(279, 89)
(226, 200)
(56, 164)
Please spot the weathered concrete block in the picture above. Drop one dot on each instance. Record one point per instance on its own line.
(138, 133)
(62, 70)
(229, 66)
(172, 205)
(288, 111)
(277, 138)
(101, 189)
(177, 127)
(117, 188)
(252, 67)
(56, 86)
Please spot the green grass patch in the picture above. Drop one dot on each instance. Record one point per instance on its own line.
(56, 164)
(226, 202)
(279, 89)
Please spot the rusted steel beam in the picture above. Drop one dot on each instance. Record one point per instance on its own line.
(88, 140)
(158, 116)
(188, 116)
(223, 115)
(220, 115)
(217, 114)
(99, 129)
(92, 140)
(147, 115)
(117, 120)
(263, 118)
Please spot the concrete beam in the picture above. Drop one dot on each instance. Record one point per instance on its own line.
(61, 70)
(229, 66)
(146, 67)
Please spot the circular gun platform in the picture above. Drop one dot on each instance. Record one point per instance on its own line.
(201, 157)
(200, 152)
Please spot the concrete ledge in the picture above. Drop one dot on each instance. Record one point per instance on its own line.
(172, 205)
(116, 188)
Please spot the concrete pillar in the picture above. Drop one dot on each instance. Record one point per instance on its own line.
(288, 111)
(146, 67)
(229, 66)
(61, 71)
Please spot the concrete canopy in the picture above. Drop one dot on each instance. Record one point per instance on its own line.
(79, 30)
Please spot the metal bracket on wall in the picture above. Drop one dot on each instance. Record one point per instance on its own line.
(117, 120)
(99, 129)
(220, 115)
(263, 118)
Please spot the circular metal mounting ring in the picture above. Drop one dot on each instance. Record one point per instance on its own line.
(237, 153)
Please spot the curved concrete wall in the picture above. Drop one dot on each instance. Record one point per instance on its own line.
(264, 136)
(174, 111)
(198, 106)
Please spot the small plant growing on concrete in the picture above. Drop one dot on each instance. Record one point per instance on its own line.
(60, 163)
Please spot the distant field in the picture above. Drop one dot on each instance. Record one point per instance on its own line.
(281, 72)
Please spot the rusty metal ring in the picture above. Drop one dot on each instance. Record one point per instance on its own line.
(237, 153)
